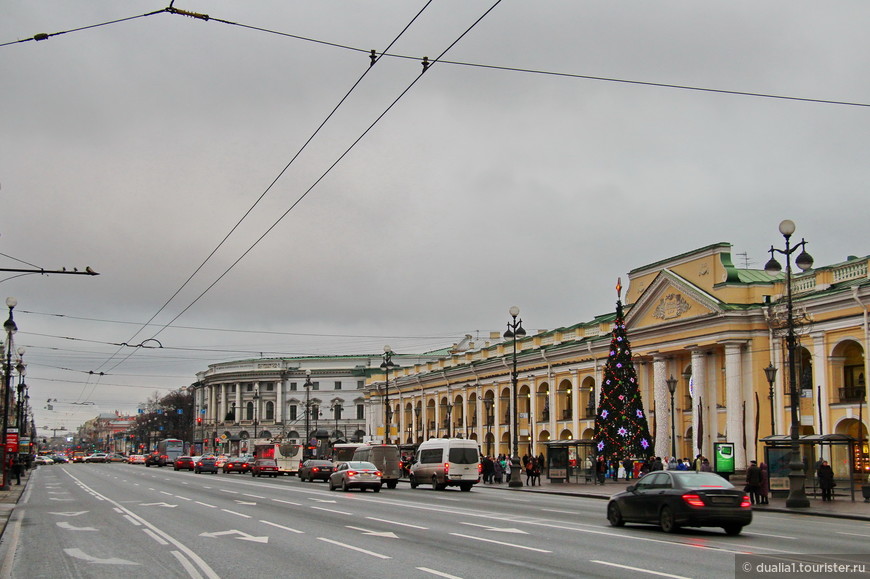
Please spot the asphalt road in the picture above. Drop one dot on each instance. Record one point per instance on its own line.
(110, 520)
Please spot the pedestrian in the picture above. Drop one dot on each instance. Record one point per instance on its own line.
(488, 470)
(536, 473)
(826, 481)
(16, 468)
(753, 482)
(636, 468)
(683, 464)
(530, 471)
(765, 484)
(646, 466)
(508, 471)
(497, 471)
(629, 468)
(696, 466)
(672, 463)
(705, 466)
(657, 464)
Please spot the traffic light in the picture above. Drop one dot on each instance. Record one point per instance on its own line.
(199, 419)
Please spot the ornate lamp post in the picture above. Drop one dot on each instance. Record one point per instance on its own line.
(515, 330)
(11, 328)
(770, 374)
(388, 412)
(256, 398)
(416, 423)
(488, 403)
(336, 412)
(672, 388)
(308, 385)
(449, 409)
(797, 497)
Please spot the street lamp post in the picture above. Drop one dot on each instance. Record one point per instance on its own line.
(21, 367)
(11, 328)
(488, 403)
(672, 387)
(770, 374)
(336, 411)
(308, 385)
(416, 423)
(515, 330)
(797, 497)
(256, 398)
(449, 409)
(388, 413)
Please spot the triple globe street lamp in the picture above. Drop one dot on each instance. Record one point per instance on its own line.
(515, 330)
(672, 388)
(10, 328)
(797, 497)
(386, 365)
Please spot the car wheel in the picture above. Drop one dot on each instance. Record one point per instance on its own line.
(733, 530)
(332, 488)
(392, 484)
(344, 486)
(176, 468)
(667, 521)
(376, 489)
(413, 481)
(614, 515)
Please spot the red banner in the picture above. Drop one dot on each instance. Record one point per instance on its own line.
(11, 440)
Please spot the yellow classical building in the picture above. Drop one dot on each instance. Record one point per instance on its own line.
(695, 317)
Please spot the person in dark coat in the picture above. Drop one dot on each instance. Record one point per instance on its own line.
(753, 482)
(765, 484)
(826, 481)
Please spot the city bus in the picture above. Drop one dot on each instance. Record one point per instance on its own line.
(343, 452)
(168, 450)
(288, 455)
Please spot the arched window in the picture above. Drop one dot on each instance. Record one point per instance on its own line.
(249, 411)
(270, 410)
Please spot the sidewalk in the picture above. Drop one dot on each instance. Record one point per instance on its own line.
(841, 507)
(9, 498)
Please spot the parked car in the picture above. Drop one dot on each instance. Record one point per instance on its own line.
(316, 469)
(355, 475)
(265, 466)
(136, 459)
(184, 462)
(205, 464)
(78, 456)
(444, 462)
(59, 458)
(40, 459)
(237, 464)
(116, 457)
(97, 457)
(674, 499)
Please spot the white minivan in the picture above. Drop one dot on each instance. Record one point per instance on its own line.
(444, 462)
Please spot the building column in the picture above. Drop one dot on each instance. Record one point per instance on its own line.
(734, 417)
(238, 416)
(576, 405)
(279, 400)
(662, 395)
(821, 394)
(699, 396)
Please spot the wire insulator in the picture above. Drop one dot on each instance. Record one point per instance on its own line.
(374, 57)
(425, 63)
(172, 10)
(41, 36)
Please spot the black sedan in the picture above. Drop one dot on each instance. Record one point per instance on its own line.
(316, 469)
(674, 499)
(205, 464)
(237, 464)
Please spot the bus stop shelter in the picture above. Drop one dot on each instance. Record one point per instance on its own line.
(570, 461)
(837, 449)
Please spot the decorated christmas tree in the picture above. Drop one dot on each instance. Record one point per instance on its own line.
(621, 428)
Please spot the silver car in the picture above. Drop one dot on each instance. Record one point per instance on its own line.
(355, 474)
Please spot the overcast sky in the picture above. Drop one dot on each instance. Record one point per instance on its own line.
(136, 147)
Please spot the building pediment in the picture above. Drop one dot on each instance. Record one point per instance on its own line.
(671, 298)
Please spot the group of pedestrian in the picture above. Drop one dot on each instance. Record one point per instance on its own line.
(496, 470)
(757, 483)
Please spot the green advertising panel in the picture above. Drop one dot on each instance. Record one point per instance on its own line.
(723, 457)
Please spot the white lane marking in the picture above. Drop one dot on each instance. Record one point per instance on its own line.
(167, 505)
(283, 527)
(514, 545)
(132, 520)
(242, 536)
(238, 502)
(166, 493)
(287, 502)
(357, 549)
(754, 533)
(385, 534)
(496, 529)
(182, 498)
(852, 534)
(331, 510)
(398, 523)
(438, 573)
(228, 491)
(75, 514)
(209, 572)
(188, 566)
(253, 496)
(206, 505)
(68, 527)
(639, 570)
(562, 512)
(56, 499)
(154, 536)
(235, 513)
(79, 554)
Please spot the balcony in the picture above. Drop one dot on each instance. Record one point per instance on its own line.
(590, 412)
(566, 414)
(852, 394)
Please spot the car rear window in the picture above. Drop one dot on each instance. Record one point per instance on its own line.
(698, 480)
(464, 455)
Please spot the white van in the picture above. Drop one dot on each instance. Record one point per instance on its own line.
(444, 462)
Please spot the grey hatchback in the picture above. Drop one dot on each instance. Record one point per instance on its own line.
(206, 464)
